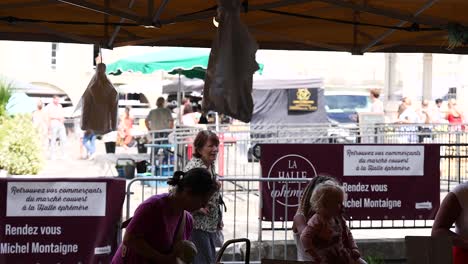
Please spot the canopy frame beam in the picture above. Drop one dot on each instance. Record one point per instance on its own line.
(154, 19)
(211, 13)
(110, 43)
(271, 20)
(437, 23)
(158, 13)
(400, 24)
(365, 35)
(150, 9)
(386, 46)
(108, 11)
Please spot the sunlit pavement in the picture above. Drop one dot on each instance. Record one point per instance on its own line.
(70, 165)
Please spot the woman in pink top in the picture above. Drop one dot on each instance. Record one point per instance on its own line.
(454, 116)
(125, 128)
(152, 232)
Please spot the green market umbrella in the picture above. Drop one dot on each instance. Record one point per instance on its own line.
(189, 62)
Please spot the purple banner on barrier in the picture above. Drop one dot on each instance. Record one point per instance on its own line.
(59, 220)
(393, 182)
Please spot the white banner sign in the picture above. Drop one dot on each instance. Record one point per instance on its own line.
(381, 160)
(56, 199)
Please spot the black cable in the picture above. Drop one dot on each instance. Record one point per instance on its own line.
(413, 28)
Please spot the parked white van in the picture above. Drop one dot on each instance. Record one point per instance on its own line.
(343, 106)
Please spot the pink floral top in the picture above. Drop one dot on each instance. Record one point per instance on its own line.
(328, 241)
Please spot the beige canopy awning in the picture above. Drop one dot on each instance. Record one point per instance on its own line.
(355, 26)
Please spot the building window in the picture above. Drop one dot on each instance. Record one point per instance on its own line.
(53, 57)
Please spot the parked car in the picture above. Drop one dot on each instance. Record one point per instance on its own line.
(343, 107)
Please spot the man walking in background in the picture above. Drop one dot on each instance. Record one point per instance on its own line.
(57, 131)
(426, 116)
(159, 119)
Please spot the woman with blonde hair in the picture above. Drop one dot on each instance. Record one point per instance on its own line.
(304, 213)
(320, 226)
(326, 237)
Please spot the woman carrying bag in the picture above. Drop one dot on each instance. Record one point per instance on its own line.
(207, 222)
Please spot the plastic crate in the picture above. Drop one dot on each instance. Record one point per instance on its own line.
(144, 174)
(151, 183)
(160, 171)
(156, 183)
(164, 170)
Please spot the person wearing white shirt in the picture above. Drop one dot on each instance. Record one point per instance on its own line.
(56, 119)
(426, 116)
(408, 116)
(376, 103)
(439, 116)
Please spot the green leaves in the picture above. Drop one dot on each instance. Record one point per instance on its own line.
(20, 150)
(374, 260)
(5, 94)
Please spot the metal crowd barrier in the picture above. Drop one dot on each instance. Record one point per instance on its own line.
(236, 159)
(243, 201)
(241, 174)
(237, 142)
